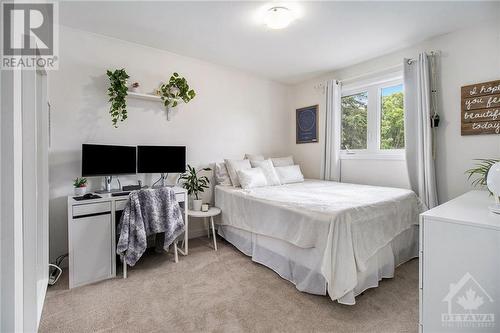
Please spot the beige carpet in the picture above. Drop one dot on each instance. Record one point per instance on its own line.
(224, 291)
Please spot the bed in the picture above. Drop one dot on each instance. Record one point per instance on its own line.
(325, 237)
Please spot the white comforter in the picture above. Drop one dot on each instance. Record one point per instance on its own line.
(351, 222)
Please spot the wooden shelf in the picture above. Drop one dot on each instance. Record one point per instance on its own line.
(148, 97)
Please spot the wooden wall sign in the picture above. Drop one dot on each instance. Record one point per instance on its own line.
(481, 108)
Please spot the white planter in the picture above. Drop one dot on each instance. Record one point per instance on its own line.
(79, 191)
(196, 205)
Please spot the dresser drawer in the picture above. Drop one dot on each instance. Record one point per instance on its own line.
(93, 208)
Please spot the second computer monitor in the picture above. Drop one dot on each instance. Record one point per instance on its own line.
(161, 159)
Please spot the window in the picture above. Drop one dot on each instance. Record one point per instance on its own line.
(354, 121)
(372, 119)
(392, 135)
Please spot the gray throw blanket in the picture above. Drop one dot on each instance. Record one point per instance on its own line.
(148, 212)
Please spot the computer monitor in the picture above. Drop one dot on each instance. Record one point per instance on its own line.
(161, 159)
(106, 160)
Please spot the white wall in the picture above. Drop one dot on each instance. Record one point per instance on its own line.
(233, 113)
(468, 56)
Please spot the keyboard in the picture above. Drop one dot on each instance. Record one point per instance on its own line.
(119, 194)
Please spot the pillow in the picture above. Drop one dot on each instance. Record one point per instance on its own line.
(233, 166)
(250, 178)
(268, 170)
(254, 157)
(221, 174)
(289, 174)
(282, 161)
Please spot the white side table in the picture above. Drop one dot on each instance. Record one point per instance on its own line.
(213, 211)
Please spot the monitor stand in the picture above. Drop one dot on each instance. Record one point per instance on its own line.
(107, 185)
(162, 181)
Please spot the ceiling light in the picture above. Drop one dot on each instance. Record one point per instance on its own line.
(278, 17)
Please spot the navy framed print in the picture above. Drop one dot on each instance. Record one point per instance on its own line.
(307, 124)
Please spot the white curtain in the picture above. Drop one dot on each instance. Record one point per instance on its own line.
(330, 164)
(418, 131)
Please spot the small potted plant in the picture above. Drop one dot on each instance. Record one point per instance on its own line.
(80, 185)
(480, 171)
(195, 184)
(134, 87)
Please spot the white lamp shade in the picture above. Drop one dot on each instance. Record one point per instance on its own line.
(493, 179)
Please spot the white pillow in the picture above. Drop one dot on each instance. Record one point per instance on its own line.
(282, 161)
(290, 174)
(232, 168)
(250, 178)
(269, 172)
(221, 174)
(254, 157)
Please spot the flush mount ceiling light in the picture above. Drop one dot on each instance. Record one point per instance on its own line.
(278, 17)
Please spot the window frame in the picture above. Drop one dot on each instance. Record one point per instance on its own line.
(373, 88)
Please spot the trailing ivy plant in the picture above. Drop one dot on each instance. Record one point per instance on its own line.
(117, 93)
(175, 90)
(480, 171)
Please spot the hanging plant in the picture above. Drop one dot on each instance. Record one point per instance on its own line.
(117, 93)
(176, 90)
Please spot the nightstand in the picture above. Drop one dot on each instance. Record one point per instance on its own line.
(213, 211)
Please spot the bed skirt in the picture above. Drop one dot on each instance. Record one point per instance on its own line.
(302, 266)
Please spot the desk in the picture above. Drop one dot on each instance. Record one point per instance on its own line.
(92, 236)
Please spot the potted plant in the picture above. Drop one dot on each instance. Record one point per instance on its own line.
(134, 87)
(480, 171)
(117, 92)
(195, 184)
(175, 91)
(80, 185)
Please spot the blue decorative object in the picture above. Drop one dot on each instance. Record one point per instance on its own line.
(307, 124)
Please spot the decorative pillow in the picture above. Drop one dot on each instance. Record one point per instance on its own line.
(254, 157)
(221, 174)
(269, 172)
(282, 161)
(290, 174)
(250, 178)
(232, 168)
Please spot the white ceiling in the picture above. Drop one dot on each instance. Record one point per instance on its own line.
(327, 36)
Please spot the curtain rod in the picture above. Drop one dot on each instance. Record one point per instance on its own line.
(431, 53)
(410, 61)
(378, 71)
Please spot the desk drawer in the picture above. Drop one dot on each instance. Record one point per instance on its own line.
(93, 208)
(120, 204)
(180, 197)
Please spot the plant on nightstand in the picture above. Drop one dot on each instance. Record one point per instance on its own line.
(195, 184)
(117, 92)
(80, 185)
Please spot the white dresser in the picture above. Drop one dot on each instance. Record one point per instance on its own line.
(92, 236)
(460, 266)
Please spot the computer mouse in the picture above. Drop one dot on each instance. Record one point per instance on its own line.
(88, 196)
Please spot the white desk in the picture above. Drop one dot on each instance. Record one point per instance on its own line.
(92, 236)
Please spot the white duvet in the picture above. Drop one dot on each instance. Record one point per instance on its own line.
(350, 222)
